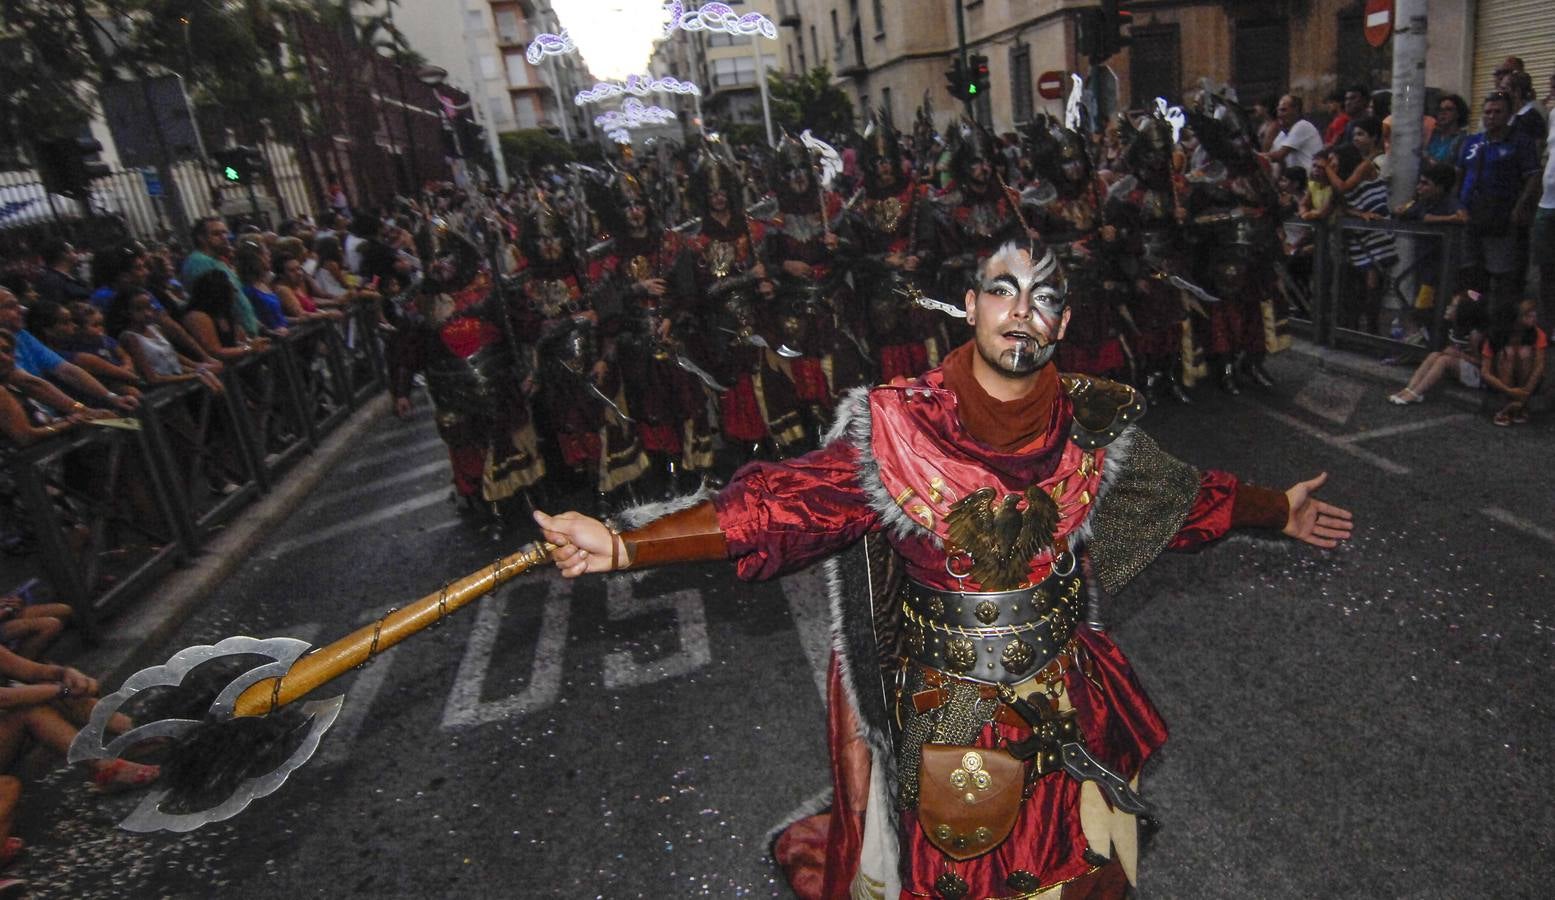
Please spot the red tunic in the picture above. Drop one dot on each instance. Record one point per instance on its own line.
(780, 517)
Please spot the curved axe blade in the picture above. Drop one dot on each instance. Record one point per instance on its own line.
(254, 660)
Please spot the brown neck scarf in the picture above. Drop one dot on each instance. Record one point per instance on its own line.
(1005, 425)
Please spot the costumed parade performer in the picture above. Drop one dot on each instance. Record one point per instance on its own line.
(986, 734)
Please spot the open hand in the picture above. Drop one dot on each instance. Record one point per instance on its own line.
(1313, 521)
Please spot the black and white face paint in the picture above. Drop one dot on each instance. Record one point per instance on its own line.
(1018, 311)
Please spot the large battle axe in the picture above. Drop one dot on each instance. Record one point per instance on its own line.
(222, 711)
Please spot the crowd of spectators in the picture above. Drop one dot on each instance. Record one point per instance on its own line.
(1482, 182)
(89, 338)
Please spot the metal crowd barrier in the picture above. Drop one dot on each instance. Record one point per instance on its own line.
(99, 508)
(1330, 306)
(111, 509)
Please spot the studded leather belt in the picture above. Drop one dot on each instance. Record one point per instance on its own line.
(1000, 637)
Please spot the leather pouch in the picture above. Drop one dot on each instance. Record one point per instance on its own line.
(968, 798)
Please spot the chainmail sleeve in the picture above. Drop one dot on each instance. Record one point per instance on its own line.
(1146, 497)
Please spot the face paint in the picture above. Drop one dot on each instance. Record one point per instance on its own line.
(1019, 313)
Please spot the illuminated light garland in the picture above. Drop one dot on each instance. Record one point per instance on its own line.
(718, 17)
(633, 114)
(620, 136)
(641, 85)
(547, 44)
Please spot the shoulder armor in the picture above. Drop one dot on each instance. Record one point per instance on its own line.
(1102, 409)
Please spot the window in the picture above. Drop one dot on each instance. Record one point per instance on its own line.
(519, 73)
(1020, 82)
(790, 57)
(524, 113)
(879, 19)
(1261, 54)
(732, 72)
(885, 105)
(1154, 65)
(509, 30)
(804, 65)
(836, 40)
(815, 47)
(724, 39)
(489, 68)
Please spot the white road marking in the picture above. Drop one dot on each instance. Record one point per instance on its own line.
(1521, 524)
(622, 670)
(808, 606)
(1338, 443)
(465, 706)
(409, 451)
(1407, 427)
(360, 523)
(356, 489)
(402, 432)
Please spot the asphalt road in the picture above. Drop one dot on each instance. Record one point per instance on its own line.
(1368, 722)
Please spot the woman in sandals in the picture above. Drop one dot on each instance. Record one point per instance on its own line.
(1512, 362)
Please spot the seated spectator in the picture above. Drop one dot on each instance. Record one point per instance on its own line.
(1512, 361)
(164, 285)
(34, 360)
(212, 319)
(153, 356)
(49, 703)
(60, 279)
(27, 629)
(56, 326)
(19, 425)
(1467, 318)
(295, 289)
(253, 268)
(1452, 119)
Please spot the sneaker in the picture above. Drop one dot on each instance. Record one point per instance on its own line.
(1502, 419)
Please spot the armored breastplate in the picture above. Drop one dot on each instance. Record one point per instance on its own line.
(1000, 637)
(983, 219)
(802, 227)
(720, 257)
(552, 296)
(885, 215)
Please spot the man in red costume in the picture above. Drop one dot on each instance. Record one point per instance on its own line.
(986, 735)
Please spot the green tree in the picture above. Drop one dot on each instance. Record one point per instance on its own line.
(810, 101)
(529, 147)
(47, 71)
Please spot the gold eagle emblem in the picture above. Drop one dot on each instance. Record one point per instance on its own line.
(1000, 536)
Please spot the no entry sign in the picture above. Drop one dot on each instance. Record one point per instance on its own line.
(1379, 21)
(1050, 85)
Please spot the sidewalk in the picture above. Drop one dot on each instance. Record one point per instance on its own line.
(152, 618)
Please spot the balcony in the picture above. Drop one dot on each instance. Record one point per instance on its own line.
(788, 13)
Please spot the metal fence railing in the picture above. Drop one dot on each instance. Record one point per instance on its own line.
(107, 510)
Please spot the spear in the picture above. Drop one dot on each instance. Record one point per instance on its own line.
(225, 708)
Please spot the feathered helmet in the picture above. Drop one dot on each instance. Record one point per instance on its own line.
(1054, 147)
(1151, 147)
(791, 156)
(611, 198)
(713, 171)
(544, 223)
(880, 140)
(1223, 128)
(970, 144)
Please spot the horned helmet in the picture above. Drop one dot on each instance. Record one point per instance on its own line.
(714, 172)
(546, 239)
(793, 167)
(879, 148)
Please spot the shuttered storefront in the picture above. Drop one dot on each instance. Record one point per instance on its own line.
(1505, 28)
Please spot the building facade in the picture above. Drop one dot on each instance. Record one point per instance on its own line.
(889, 54)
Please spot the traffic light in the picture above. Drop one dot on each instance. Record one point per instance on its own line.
(1109, 29)
(977, 76)
(955, 80)
(68, 165)
(242, 164)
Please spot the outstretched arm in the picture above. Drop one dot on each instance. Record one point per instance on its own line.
(1313, 521)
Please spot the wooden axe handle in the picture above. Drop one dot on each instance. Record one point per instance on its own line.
(330, 662)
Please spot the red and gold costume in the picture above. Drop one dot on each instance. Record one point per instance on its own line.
(888, 483)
